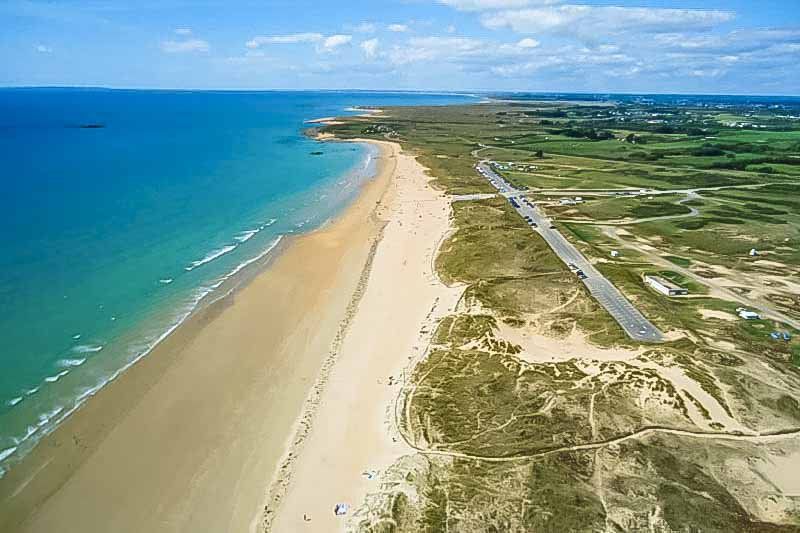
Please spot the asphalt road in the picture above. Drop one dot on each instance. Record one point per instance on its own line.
(632, 321)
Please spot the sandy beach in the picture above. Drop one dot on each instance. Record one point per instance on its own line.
(352, 437)
(189, 437)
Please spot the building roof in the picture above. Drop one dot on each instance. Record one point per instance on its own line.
(666, 283)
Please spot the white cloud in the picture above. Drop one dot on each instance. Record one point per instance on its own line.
(183, 31)
(370, 47)
(450, 29)
(335, 41)
(579, 59)
(528, 43)
(593, 21)
(42, 49)
(250, 57)
(463, 51)
(397, 28)
(480, 5)
(189, 45)
(292, 38)
(733, 42)
(429, 48)
(365, 27)
(324, 44)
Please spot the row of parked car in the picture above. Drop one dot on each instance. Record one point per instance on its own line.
(529, 220)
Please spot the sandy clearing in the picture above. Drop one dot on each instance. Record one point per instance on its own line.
(684, 384)
(538, 348)
(713, 313)
(781, 470)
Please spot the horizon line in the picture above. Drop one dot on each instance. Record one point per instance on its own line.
(457, 92)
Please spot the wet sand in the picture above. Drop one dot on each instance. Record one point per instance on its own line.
(188, 439)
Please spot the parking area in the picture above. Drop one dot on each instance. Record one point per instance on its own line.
(632, 321)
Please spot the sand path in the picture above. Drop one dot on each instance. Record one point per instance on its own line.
(352, 433)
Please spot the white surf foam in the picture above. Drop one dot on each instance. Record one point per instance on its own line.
(87, 348)
(166, 281)
(14, 401)
(247, 235)
(210, 257)
(49, 421)
(30, 430)
(53, 379)
(66, 363)
(8, 451)
(47, 417)
(240, 266)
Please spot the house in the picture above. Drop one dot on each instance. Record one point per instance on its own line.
(664, 286)
(748, 315)
(753, 252)
(614, 253)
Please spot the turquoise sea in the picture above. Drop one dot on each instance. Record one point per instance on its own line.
(122, 211)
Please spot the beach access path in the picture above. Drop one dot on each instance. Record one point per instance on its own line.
(352, 439)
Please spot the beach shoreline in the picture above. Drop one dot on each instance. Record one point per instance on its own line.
(153, 449)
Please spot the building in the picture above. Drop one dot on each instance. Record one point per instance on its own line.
(614, 253)
(748, 315)
(753, 252)
(664, 286)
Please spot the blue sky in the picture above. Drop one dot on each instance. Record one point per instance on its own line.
(684, 46)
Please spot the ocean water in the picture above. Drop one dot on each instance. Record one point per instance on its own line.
(111, 236)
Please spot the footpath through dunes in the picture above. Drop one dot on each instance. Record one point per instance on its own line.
(188, 438)
(352, 439)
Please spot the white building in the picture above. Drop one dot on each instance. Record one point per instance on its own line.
(614, 253)
(753, 252)
(664, 286)
(749, 315)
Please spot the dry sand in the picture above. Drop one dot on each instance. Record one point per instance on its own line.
(538, 348)
(713, 313)
(189, 437)
(352, 434)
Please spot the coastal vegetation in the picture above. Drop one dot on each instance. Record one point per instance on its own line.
(532, 410)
